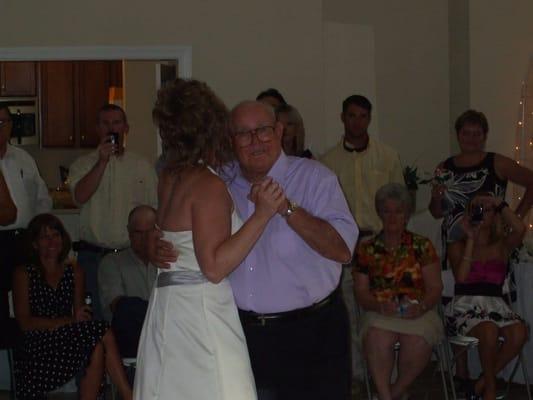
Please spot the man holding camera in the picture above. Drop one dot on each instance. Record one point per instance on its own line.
(107, 184)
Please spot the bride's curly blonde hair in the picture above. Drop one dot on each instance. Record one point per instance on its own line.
(193, 125)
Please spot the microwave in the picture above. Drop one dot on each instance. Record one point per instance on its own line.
(25, 117)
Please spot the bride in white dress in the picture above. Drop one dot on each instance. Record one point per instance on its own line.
(192, 345)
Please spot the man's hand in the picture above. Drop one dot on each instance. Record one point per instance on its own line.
(160, 252)
(83, 313)
(106, 149)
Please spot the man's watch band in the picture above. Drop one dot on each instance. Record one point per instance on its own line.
(291, 208)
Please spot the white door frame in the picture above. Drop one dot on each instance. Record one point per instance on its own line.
(182, 54)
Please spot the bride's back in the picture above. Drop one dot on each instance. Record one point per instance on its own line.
(177, 194)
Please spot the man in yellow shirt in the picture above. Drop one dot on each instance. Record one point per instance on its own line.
(107, 184)
(362, 165)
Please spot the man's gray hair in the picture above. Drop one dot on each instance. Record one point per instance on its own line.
(394, 191)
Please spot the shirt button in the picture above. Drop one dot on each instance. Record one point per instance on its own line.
(251, 268)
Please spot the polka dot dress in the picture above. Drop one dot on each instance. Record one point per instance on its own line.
(46, 360)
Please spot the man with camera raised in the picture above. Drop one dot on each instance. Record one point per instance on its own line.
(107, 184)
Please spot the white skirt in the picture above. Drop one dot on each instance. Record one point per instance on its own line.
(465, 312)
(192, 346)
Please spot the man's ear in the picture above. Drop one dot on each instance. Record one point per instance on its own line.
(342, 117)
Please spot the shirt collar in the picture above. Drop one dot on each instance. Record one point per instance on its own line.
(348, 147)
(406, 241)
(277, 172)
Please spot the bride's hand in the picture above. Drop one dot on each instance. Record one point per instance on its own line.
(268, 197)
(160, 252)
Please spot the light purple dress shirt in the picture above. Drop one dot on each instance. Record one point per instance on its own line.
(282, 272)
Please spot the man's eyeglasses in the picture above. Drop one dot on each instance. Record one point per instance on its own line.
(263, 133)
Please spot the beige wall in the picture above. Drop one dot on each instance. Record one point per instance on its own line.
(501, 44)
(411, 70)
(140, 94)
(241, 47)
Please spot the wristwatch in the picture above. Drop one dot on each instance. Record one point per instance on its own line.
(291, 208)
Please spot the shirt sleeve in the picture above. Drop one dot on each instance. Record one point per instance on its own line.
(363, 259)
(428, 254)
(43, 202)
(330, 205)
(78, 170)
(109, 283)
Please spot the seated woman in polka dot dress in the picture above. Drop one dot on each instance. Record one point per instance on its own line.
(59, 337)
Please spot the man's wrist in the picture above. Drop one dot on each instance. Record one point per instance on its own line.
(291, 209)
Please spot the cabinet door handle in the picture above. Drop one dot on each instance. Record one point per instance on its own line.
(82, 137)
(70, 138)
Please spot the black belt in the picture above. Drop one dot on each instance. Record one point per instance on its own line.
(478, 289)
(253, 318)
(82, 245)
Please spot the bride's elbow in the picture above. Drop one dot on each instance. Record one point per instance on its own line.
(212, 274)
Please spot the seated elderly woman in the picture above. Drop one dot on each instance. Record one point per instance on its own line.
(397, 284)
(479, 264)
(59, 339)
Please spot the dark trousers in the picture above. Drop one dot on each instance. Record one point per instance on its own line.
(127, 324)
(89, 262)
(304, 358)
(12, 253)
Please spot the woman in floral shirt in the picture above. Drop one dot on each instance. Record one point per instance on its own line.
(397, 283)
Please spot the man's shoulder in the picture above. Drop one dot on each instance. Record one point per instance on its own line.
(304, 167)
(332, 154)
(119, 259)
(140, 161)
(383, 148)
(19, 154)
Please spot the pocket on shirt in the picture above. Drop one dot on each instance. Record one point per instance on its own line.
(284, 242)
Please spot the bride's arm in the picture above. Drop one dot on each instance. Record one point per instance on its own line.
(218, 252)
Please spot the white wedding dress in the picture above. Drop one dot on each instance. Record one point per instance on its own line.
(192, 345)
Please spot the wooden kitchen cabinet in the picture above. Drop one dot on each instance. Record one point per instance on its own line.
(71, 94)
(17, 79)
(57, 104)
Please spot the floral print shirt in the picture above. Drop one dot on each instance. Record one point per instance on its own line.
(397, 273)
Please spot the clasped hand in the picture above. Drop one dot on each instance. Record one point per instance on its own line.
(268, 197)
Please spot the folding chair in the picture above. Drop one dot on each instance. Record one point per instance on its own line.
(466, 343)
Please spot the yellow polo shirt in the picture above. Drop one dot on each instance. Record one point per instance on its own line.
(128, 181)
(361, 175)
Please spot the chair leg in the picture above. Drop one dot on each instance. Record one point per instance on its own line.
(523, 362)
(367, 381)
(449, 366)
(11, 362)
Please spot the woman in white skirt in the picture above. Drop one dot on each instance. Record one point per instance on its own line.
(192, 345)
(479, 264)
